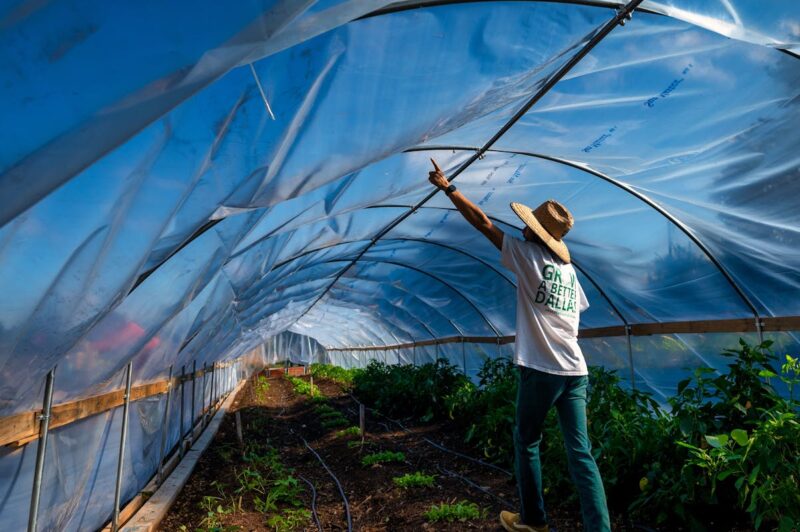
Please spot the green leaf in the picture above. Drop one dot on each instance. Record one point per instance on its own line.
(725, 474)
(739, 436)
(767, 374)
(717, 441)
(786, 524)
(753, 474)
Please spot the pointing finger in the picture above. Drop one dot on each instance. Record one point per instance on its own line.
(436, 166)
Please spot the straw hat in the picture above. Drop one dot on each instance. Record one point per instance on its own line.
(550, 221)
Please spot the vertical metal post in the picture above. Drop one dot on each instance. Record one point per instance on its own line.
(164, 430)
(183, 415)
(362, 420)
(194, 381)
(123, 435)
(464, 355)
(760, 329)
(203, 392)
(44, 426)
(211, 391)
(630, 356)
(239, 434)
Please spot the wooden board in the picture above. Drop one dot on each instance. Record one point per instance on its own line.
(737, 325)
(21, 429)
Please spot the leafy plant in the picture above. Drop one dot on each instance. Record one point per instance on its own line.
(382, 457)
(214, 511)
(415, 480)
(261, 387)
(323, 409)
(335, 423)
(486, 412)
(408, 391)
(460, 511)
(349, 432)
(335, 373)
(304, 388)
(289, 520)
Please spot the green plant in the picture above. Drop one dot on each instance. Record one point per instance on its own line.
(303, 387)
(383, 457)
(409, 391)
(282, 491)
(322, 409)
(349, 432)
(352, 444)
(762, 465)
(335, 423)
(335, 373)
(289, 520)
(414, 480)
(460, 511)
(486, 412)
(261, 386)
(214, 511)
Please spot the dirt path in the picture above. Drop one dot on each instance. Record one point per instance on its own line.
(281, 419)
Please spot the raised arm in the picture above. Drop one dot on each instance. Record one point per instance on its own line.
(471, 212)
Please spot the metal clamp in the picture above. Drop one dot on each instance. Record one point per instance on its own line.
(624, 15)
(44, 417)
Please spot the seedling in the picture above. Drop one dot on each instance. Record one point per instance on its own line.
(261, 386)
(335, 423)
(382, 457)
(415, 480)
(304, 388)
(349, 432)
(289, 520)
(460, 511)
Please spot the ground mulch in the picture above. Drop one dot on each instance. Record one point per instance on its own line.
(281, 417)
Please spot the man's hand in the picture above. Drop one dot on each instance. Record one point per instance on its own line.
(437, 178)
(471, 212)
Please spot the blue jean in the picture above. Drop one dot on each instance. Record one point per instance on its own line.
(537, 393)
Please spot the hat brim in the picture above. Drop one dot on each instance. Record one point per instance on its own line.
(525, 214)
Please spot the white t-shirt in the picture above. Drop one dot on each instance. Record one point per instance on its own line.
(549, 302)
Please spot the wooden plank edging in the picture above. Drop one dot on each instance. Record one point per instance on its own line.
(155, 509)
(23, 428)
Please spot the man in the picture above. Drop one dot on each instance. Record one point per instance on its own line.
(552, 370)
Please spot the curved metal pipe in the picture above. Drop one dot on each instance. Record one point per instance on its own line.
(434, 277)
(622, 14)
(632, 191)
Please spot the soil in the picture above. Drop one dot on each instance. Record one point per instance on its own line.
(281, 417)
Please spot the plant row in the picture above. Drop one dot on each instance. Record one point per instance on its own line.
(724, 449)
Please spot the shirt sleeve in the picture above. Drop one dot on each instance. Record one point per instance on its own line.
(583, 303)
(511, 253)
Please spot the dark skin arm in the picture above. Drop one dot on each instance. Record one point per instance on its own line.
(471, 212)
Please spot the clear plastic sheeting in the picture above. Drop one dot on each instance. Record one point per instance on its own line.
(181, 184)
(293, 348)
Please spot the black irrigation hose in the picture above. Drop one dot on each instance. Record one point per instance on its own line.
(336, 480)
(313, 501)
(439, 446)
(467, 457)
(504, 502)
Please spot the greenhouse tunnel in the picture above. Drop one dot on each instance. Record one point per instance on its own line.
(226, 185)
